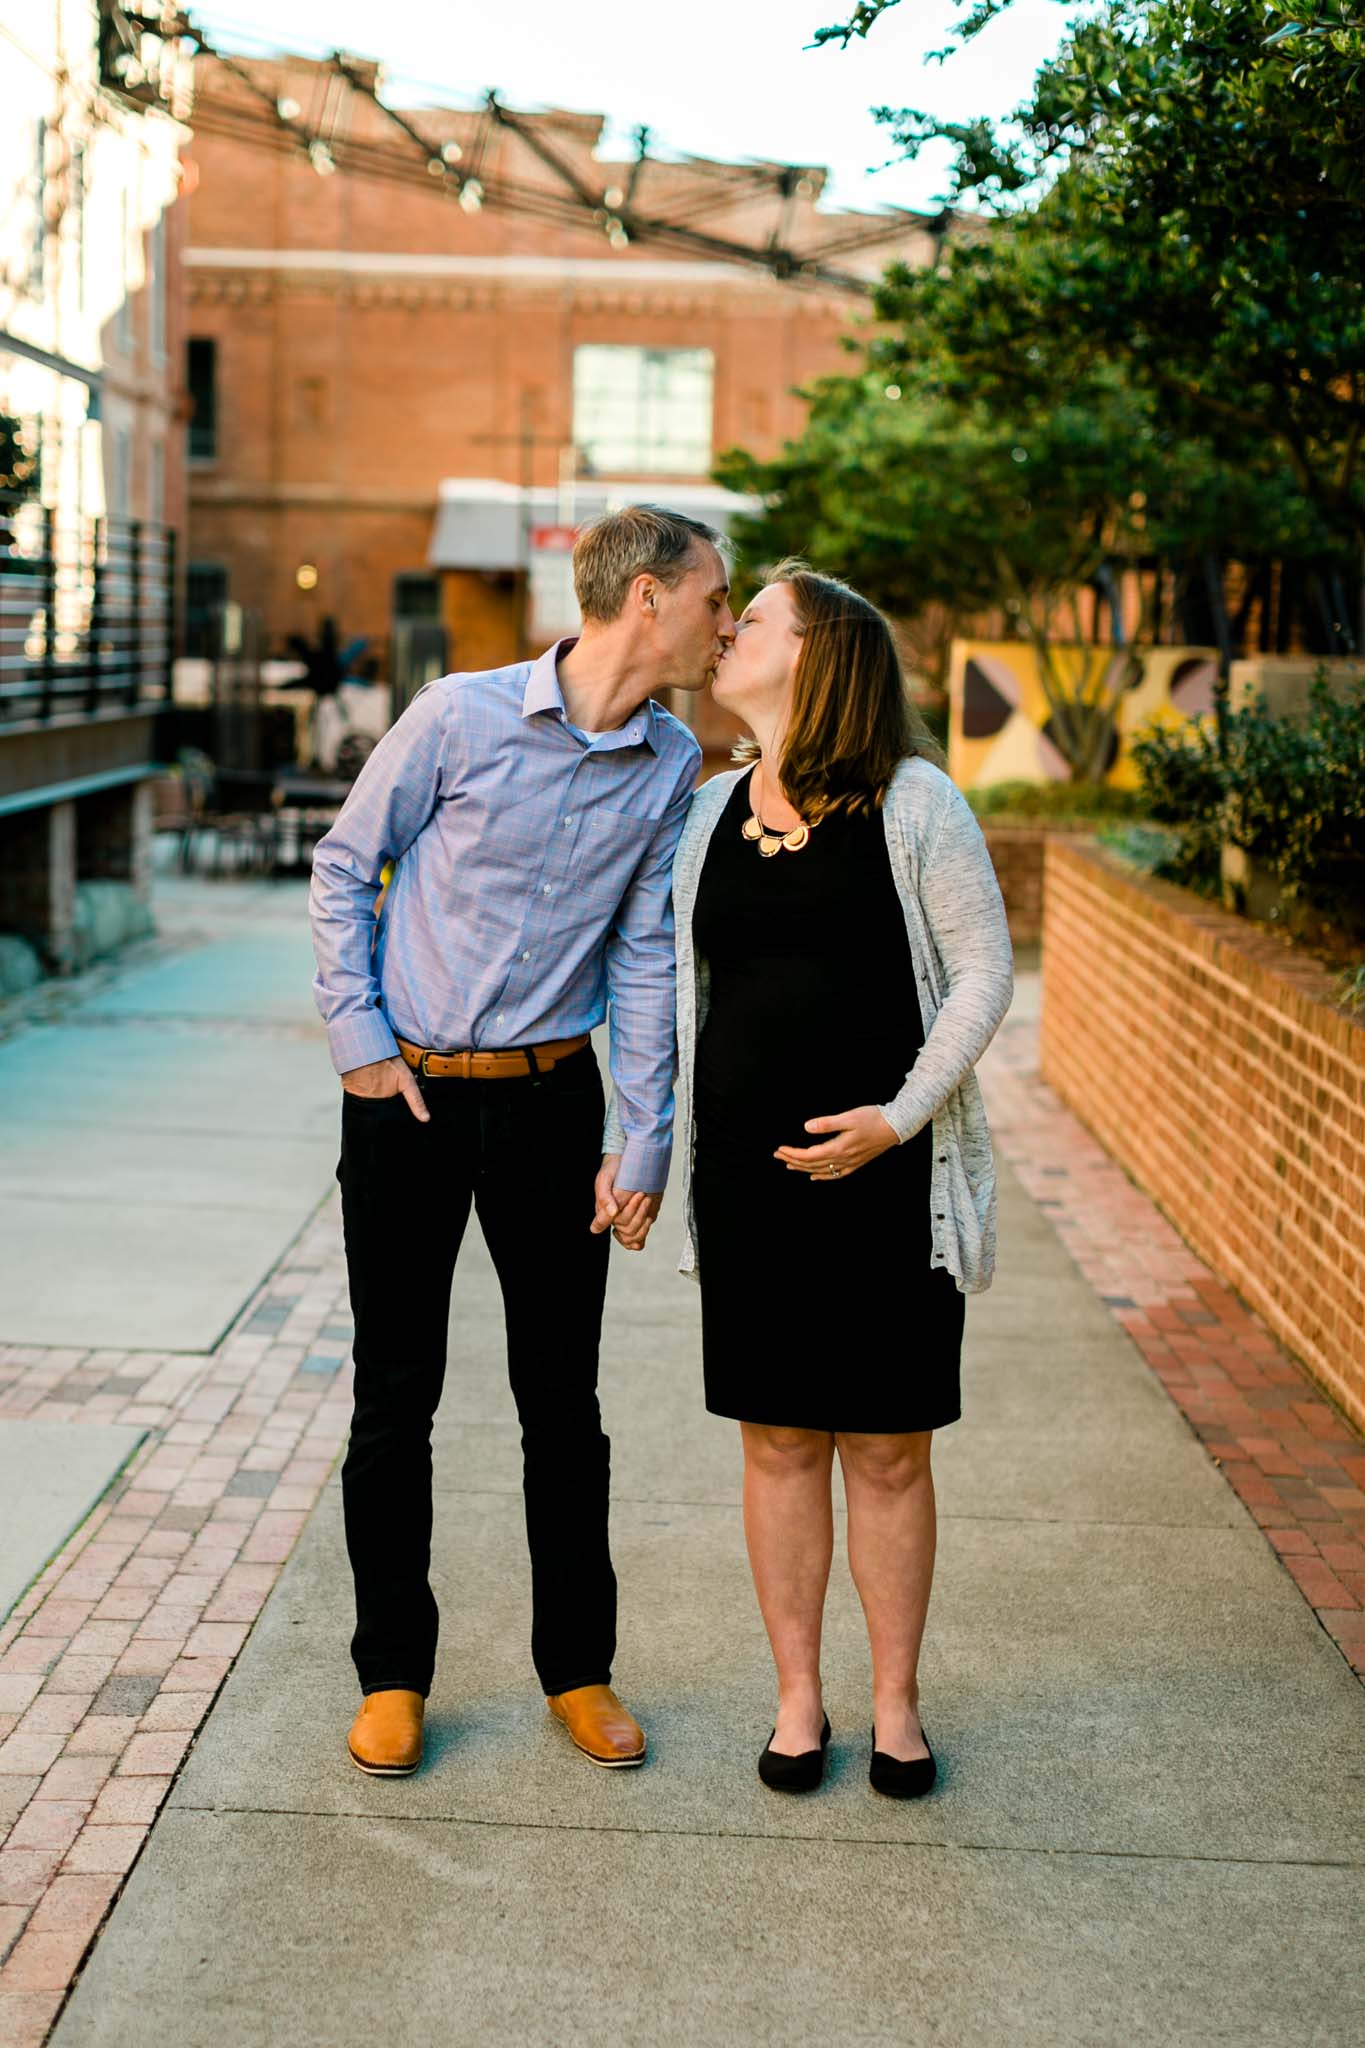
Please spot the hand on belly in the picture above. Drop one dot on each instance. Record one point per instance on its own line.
(841, 1144)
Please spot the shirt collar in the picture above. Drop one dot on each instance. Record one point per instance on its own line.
(542, 693)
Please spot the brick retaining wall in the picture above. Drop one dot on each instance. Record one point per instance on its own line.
(1016, 848)
(1212, 1061)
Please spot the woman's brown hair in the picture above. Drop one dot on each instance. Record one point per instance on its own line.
(852, 720)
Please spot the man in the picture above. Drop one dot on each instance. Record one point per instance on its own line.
(533, 812)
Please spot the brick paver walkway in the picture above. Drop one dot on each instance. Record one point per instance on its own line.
(1290, 1455)
(114, 1656)
(111, 1661)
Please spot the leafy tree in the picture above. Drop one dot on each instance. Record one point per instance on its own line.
(942, 506)
(1185, 192)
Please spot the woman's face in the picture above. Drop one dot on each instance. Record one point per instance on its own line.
(754, 678)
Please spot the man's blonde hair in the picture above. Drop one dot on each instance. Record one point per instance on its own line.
(640, 540)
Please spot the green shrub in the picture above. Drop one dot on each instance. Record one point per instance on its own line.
(1054, 800)
(1290, 792)
(1161, 850)
(1184, 784)
(1152, 849)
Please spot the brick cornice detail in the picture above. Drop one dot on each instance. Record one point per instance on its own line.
(263, 287)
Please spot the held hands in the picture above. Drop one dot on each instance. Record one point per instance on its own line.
(629, 1217)
(858, 1135)
(388, 1077)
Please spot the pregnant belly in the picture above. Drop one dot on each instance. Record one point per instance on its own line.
(767, 1081)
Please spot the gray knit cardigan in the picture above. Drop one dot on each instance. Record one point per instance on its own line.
(964, 976)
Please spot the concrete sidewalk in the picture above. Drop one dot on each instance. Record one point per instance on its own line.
(1149, 1827)
(176, 1122)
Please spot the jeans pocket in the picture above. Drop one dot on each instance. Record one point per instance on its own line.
(574, 1101)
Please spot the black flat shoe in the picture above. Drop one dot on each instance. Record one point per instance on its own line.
(898, 1779)
(794, 1773)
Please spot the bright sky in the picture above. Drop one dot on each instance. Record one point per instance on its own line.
(722, 78)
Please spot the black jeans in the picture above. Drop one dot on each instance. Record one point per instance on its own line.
(525, 1153)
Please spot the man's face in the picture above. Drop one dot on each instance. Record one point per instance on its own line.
(693, 621)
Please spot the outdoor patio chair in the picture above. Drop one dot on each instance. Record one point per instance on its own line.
(237, 840)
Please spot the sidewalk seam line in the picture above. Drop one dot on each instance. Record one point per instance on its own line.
(744, 1835)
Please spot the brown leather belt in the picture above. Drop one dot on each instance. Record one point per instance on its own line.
(489, 1066)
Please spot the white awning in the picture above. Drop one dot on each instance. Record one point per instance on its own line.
(482, 523)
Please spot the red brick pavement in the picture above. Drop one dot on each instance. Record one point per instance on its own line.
(112, 1659)
(1291, 1456)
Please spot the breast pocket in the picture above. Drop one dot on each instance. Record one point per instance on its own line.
(614, 838)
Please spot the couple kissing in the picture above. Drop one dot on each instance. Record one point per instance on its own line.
(809, 952)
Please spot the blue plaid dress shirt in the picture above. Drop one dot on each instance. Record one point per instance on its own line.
(532, 888)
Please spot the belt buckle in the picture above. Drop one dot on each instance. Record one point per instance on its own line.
(433, 1053)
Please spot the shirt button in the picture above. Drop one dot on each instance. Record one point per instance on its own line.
(567, 823)
(547, 890)
(501, 1017)
(525, 956)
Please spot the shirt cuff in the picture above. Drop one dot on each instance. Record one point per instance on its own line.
(613, 1135)
(360, 1040)
(644, 1166)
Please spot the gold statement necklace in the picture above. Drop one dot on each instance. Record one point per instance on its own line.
(770, 843)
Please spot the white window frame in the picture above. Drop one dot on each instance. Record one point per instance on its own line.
(639, 410)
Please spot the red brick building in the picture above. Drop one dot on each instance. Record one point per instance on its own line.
(417, 343)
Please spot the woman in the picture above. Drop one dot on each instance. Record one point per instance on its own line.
(843, 961)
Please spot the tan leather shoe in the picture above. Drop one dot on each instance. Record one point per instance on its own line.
(602, 1728)
(386, 1735)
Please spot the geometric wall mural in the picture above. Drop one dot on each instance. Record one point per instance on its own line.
(999, 720)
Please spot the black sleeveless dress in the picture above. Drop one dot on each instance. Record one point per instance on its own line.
(820, 1309)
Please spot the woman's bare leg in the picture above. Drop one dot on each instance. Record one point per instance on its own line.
(789, 1528)
(891, 1536)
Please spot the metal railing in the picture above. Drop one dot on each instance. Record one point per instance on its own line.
(87, 613)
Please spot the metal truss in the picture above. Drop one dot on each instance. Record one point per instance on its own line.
(615, 212)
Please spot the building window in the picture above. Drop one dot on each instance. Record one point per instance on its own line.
(201, 374)
(156, 287)
(120, 472)
(643, 410)
(206, 589)
(79, 225)
(156, 483)
(416, 596)
(123, 312)
(37, 251)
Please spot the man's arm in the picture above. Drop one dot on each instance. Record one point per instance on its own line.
(394, 796)
(641, 986)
